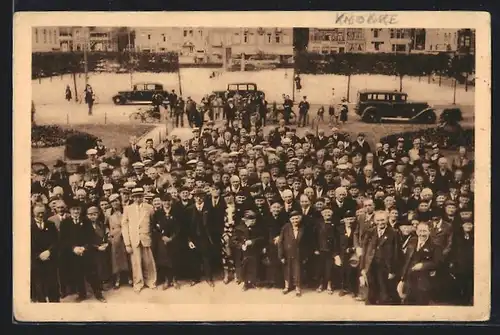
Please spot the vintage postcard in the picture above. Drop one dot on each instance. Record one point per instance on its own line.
(251, 166)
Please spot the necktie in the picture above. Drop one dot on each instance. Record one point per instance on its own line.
(419, 246)
(380, 233)
(39, 223)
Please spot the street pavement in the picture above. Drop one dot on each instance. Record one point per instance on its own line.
(231, 293)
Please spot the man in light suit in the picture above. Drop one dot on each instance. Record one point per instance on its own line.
(136, 231)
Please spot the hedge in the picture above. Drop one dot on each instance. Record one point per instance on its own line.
(58, 63)
(54, 136)
(383, 64)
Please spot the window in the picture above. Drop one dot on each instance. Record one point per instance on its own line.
(44, 36)
(245, 38)
(375, 33)
(185, 33)
(278, 38)
(164, 37)
(149, 36)
(50, 37)
(55, 36)
(200, 32)
(190, 33)
(398, 33)
(36, 35)
(376, 45)
(467, 41)
(398, 47)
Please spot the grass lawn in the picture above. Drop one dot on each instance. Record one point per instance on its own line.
(112, 135)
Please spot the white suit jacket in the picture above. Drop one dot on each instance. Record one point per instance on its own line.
(136, 225)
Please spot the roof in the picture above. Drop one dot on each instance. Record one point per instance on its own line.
(242, 84)
(148, 82)
(382, 91)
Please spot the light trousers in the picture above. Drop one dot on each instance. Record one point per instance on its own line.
(143, 267)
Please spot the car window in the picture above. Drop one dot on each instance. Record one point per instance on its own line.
(150, 87)
(380, 97)
(242, 87)
(232, 87)
(135, 87)
(251, 87)
(158, 87)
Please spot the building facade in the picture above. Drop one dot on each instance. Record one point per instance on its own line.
(45, 39)
(336, 40)
(209, 44)
(91, 38)
(466, 41)
(441, 40)
(388, 40)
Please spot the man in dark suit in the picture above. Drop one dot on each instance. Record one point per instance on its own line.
(44, 258)
(342, 204)
(360, 145)
(217, 211)
(200, 239)
(132, 151)
(379, 260)
(326, 234)
(421, 260)
(274, 222)
(348, 274)
(295, 247)
(249, 238)
(441, 234)
(462, 264)
(76, 237)
(229, 110)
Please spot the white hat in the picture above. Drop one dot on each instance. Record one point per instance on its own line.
(192, 161)
(137, 191)
(388, 161)
(107, 186)
(89, 184)
(234, 154)
(159, 163)
(130, 184)
(113, 197)
(91, 152)
(138, 165)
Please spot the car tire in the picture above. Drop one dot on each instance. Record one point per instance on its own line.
(135, 117)
(119, 100)
(429, 117)
(370, 115)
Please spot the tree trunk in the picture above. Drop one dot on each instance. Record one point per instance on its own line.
(440, 79)
(74, 83)
(348, 87)
(466, 82)
(401, 83)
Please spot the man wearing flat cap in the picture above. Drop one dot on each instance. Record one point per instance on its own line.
(79, 250)
(44, 258)
(200, 238)
(249, 239)
(295, 247)
(136, 231)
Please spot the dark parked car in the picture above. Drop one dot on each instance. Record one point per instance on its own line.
(141, 93)
(243, 89)
(378, 105)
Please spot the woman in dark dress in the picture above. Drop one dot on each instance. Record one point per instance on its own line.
(68, 93)
(89, 97)
(166, 228)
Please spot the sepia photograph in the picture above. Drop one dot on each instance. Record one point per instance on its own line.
(201, 166)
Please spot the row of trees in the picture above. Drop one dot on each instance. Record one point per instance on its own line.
(57, 63)
(384, 64)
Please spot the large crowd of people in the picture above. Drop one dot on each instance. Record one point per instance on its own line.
(270, 209)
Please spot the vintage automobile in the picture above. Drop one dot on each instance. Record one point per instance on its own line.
(143, 93)
(381, 105)
(243, 89)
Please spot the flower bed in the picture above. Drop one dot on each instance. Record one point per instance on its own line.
(447, 137)
(53, 136)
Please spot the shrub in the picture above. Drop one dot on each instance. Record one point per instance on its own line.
(446, 137)
(52, 136)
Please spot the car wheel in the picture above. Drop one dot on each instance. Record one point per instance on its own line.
(118, 100)
(135, 117)
(430, 118)
(370, 115)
